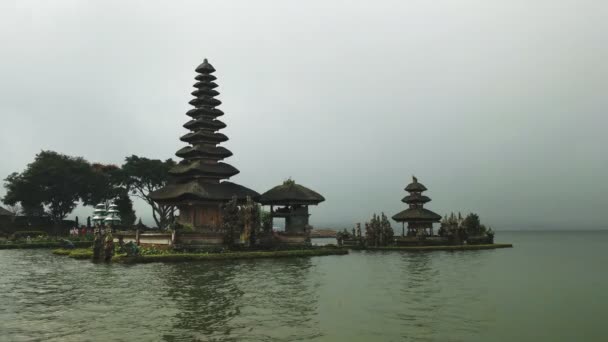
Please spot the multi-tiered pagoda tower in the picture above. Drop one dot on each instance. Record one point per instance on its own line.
(417, 217)
(198, 189)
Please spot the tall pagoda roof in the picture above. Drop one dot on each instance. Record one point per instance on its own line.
(291, 193)
(201, 191)
(201, 151)
(204, 123)
(199, 168)
(199, 176)
(417, 214)
(202, 136)
(204, 110)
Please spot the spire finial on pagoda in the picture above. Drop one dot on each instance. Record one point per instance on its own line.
(414, 179)
(205, 67)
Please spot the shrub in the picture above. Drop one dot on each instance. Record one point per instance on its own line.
(30, 233)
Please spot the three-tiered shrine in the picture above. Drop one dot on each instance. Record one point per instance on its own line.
(198, 187)
(418, 218)
(99, 214)
(112, 215)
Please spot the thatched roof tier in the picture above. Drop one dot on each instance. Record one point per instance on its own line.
(290, 193)
(415, 198)
(203, 122)
(205, 84)
(417, 214)
(203, 137)
(205, 67)
(415, 186)
(201, 191)
(204, 100)
(205, 78)
(204, 110)
(198, 151)
(206, 91)
(198, 168)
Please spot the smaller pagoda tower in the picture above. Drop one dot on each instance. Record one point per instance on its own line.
(99, 214)
(112, 215)
(417, 217)
(293, 201)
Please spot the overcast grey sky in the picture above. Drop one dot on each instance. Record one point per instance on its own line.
(498, 107)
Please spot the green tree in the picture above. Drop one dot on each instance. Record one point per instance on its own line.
(472, 225)
(387, 231)
(106, 183)
(143, 176)
(53, 181)
(125, 209)
(266, 221)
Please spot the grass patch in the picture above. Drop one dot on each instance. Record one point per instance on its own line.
(78, 253)
(81, 254)
(181, 257)
(43, 245)
(62, 251)
(438, 248)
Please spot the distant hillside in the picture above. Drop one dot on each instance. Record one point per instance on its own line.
(323, 233)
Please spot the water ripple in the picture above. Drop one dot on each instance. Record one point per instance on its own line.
(366, 296)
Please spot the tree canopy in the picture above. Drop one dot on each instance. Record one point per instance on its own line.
(125, 209)
(105, 183)
(143, 176)
(53, 181)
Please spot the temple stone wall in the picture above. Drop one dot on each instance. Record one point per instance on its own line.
(155, 239)
(203, 239)
(200, 216)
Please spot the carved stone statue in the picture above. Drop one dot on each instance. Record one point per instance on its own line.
(108, 247)
(97, 244)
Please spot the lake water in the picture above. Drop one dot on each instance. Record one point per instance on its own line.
(552, 286)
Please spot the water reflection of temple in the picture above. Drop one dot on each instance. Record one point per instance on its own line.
(244, 300)
(206, 298)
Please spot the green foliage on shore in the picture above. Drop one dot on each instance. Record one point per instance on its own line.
(52, 180)
(378, 232)
(439, 248)
(54, 183)
(62, 251)
(77, 253)
(42, 245)
(81, 253)
(182, 257)
(31, 233)
(148, 254)
(143, 176)
(125, 209)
